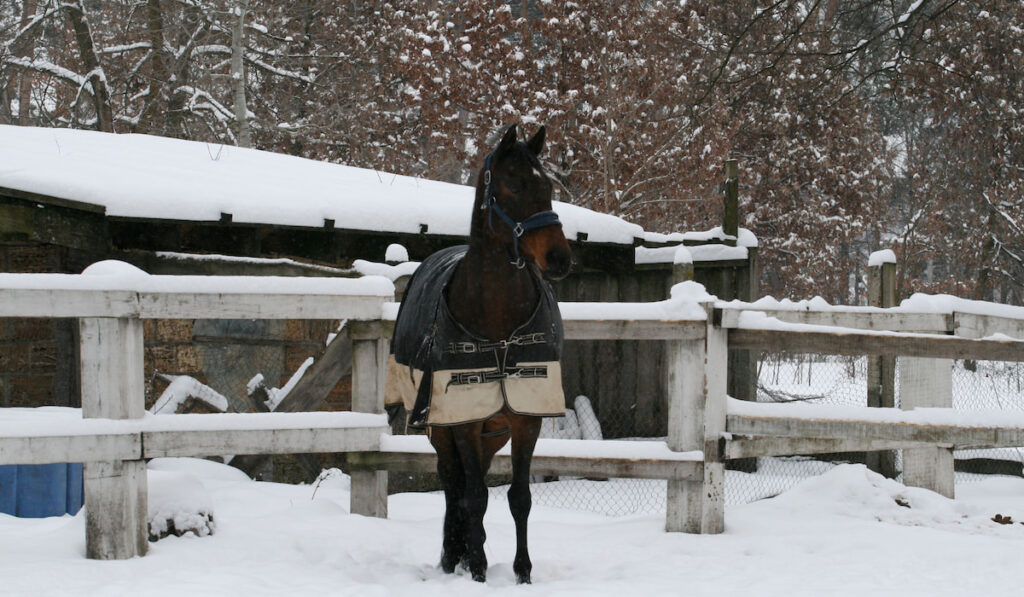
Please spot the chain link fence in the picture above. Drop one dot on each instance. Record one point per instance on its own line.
(192, 363)
(811, 379)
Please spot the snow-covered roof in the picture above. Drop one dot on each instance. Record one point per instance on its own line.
(149, 177)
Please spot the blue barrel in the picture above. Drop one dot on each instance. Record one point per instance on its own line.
(40, 490)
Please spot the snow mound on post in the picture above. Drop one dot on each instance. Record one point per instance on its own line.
(879, 257)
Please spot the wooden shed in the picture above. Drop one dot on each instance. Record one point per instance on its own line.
(71, 198)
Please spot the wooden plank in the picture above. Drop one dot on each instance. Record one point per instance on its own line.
(51, 200)
(369, 495)
(192, 305)
(61, 301)
(626, 365)
(850, 317)
(696, 420)
(65, 302)
(927, 383)
(588, 290)
(853, 342)
(426, 462)
(600, 329)
(756, 447)
(616, 414)
(212, 442)
(47, 449)
(970, 325)
(957, 437)
(115, 509)
(111, 370)
(321, 377)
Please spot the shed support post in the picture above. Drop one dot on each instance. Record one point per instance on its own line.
(927, 383)
(369, 495)
(696, 371)
(112, 382)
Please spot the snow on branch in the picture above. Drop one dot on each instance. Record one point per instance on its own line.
(14, 41)
(202, 100)
(279, 71)
(121, 49)
(45, 66)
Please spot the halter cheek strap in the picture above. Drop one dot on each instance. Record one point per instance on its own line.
(540, 219)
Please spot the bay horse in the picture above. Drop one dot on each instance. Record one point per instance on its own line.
(496, 299)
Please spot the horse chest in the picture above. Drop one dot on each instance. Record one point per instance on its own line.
(472, 378)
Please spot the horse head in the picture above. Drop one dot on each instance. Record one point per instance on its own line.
(513, 206)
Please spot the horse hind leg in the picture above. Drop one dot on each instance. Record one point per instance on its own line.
(525, 431)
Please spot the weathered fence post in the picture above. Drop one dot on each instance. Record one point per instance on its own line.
(696, 371)
(369, 365)
(927, 383)
(112, 382)
(882, 369)
(731, 209)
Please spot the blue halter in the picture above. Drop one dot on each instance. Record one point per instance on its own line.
(540, 219)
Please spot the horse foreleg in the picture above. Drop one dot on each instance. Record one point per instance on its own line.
(474, 498)
(449, 470)
(525, 431)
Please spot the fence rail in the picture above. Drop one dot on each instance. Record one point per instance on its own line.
(704, 428)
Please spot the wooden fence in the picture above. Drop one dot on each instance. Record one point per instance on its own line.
(704, 427)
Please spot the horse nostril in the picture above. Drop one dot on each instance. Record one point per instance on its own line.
(558, 263)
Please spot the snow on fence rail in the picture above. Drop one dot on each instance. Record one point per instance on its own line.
(705, 428)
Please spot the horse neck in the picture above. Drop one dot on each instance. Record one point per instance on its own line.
(490, 296)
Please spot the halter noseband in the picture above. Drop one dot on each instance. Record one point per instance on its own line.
(540, 219)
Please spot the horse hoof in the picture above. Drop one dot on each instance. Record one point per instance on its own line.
(448, 563)
(523, 578)
(480, 576)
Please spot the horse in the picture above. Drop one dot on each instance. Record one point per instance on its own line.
(496, 299)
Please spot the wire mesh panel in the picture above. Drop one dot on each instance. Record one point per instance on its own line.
(782, 378)
(805, 378)
(988, 385)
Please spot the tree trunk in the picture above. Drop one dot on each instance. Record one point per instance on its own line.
(25, 84)
(159, 74)
(244, 133)
(75, 12)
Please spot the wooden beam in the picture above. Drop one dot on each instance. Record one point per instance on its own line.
(756, 447)
(854, 342)
(211, 442)
(426, 462)
(851, 317)
(696, 373)
(927, 383)
(970, 325)
(596, 329)
(64, 302)
(369, 495)
(55, 295)
(939, 435)
(47, 449)
(111, 370)
(257, 305)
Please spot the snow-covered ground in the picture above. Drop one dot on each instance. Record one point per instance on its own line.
(842, 533)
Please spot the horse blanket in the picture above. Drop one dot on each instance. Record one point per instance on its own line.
(472, 378)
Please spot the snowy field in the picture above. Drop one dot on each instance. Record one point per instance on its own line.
(843, 533)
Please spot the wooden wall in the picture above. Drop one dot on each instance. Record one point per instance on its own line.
(625, 380)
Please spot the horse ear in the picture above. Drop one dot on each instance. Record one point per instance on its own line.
(508, 141)
(536, 143)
